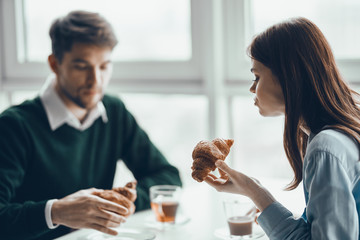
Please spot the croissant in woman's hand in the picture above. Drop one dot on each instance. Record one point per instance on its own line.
(205, 155)
(124, 196)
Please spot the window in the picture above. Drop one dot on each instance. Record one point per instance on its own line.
(157, 39)
(175, 123)
(158, 30)
(337, 19)
(181, 67)
(258, 149)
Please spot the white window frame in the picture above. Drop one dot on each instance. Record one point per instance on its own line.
(203, 74)
(217, 30)
(2, 56)
(132, 73)
(238, 33)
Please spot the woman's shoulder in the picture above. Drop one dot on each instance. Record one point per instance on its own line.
(333, 142)
(330, 149)
(332, 138)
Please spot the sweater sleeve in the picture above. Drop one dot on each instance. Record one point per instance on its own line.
(145, 161)
(14, 156)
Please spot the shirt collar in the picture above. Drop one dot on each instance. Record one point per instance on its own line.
(312, 135)
(58, 114)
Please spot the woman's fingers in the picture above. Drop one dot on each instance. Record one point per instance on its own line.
(224, 167)
(212, 176)
(219, 184)
(215, 181)
(209, 180)
(223, 174)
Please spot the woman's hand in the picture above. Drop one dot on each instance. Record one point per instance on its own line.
(85, 210)
(239, 183)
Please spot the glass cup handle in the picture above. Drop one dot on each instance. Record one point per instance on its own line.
(161, 212)
(254, 211)
(257, 214)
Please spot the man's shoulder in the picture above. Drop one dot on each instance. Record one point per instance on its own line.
(111, 99)
(28, 112)
(24, 109)
(112, 102)
(116, 110)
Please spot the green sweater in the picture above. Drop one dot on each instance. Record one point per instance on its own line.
(38, 164)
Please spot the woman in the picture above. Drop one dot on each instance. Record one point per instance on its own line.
(296, 75)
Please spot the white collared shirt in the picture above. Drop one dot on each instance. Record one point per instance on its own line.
(58, 115)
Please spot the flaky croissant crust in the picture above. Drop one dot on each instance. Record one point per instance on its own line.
(124, 196)
(206, 153)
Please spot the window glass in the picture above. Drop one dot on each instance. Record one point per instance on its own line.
(147, 30)
(258, 148)
(4, 101)
(175, 123)
(339, 20)
(17, 97)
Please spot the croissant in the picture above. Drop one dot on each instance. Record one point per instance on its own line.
(124, 196)
(206, 153)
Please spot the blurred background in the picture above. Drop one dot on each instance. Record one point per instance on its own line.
(181, 68)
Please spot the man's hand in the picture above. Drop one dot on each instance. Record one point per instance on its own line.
(85, 210)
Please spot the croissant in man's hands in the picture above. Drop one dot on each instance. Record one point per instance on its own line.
(124, 196)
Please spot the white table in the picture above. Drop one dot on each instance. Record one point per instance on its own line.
(203, 206)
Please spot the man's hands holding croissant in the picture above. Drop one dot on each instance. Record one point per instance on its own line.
(96, 209)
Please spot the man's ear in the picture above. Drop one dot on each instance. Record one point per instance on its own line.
(53, 63)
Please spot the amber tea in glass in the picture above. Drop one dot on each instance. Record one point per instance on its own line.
(165, 202)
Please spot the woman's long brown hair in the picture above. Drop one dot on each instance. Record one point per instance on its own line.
(315, 94)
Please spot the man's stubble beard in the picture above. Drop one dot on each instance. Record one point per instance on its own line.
(79, 102)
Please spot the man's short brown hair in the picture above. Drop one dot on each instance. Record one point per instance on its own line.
(80, 27)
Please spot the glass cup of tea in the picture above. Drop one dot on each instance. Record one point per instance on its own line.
(240, 215)
(165, 202)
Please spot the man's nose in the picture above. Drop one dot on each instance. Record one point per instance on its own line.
(94, 76)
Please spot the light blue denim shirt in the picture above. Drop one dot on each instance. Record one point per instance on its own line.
(331, 176)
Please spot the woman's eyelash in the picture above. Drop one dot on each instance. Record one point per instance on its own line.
(256, 79)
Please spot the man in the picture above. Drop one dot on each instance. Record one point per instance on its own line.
(61, 147)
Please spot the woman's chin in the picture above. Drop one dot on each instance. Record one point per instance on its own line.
(269, 114)
(262, 113)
